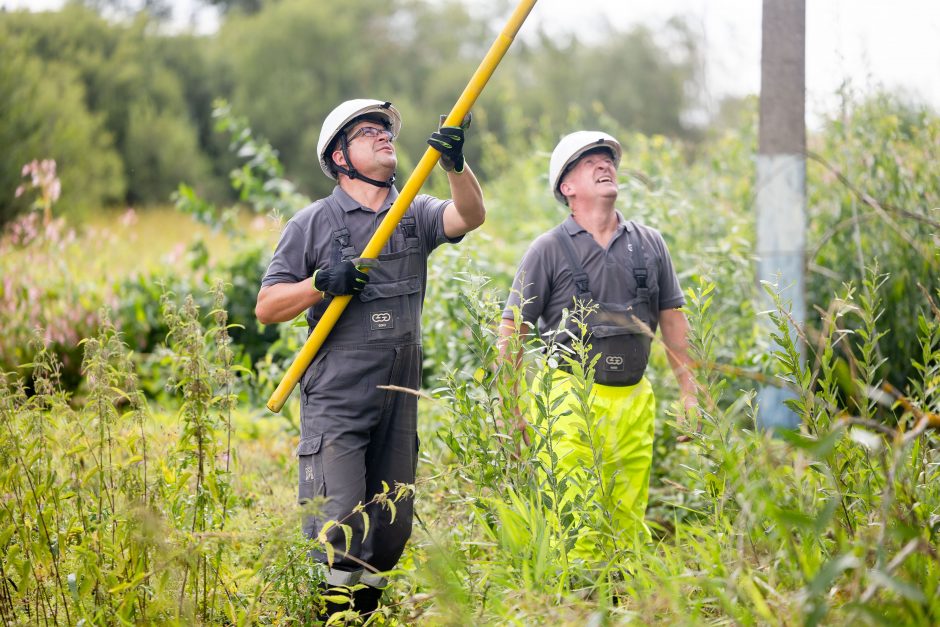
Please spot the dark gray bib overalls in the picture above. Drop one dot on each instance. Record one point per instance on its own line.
(354, 435)
(619, 334)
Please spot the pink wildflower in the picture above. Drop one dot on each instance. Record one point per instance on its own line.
(129, 218)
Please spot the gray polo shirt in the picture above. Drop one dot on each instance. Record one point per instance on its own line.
(307, 241)
(544, 287)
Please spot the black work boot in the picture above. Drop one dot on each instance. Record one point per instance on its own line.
(366, 600)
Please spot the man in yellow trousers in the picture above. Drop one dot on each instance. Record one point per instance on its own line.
(619, 275)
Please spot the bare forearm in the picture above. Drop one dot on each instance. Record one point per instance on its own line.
(675, 330)
(283, 301)
(681, 366)
(467, 211)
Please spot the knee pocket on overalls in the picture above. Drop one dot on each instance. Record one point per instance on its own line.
(310, 463)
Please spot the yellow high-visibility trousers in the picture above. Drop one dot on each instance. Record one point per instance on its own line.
(609, 453)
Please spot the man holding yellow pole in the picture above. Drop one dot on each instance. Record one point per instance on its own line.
(355, 436)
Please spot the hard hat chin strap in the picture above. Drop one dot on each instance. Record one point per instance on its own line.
(353, 173)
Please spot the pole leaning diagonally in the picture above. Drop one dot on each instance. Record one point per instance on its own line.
(400, 206)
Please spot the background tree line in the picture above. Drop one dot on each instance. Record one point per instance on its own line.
(125, 108)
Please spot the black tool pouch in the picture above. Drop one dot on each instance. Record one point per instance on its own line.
(620, 337)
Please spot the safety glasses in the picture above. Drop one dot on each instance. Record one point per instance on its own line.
(371, 132)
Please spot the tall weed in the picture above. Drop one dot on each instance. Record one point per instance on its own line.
(833, 522)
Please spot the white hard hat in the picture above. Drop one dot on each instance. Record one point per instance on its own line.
(343, 115)
(570, 149)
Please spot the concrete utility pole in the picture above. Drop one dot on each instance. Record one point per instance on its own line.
(781, 174)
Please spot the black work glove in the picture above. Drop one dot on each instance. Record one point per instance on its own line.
(339, 280)
(448, 140)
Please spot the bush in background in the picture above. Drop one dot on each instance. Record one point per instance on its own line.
(874, 201)
(45, 293)
(45, 115)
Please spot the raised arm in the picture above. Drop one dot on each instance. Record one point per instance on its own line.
(466, 211)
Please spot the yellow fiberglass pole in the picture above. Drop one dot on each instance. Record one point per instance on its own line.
(400, 206)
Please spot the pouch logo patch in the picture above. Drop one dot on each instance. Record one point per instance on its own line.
(614, 362)
(382, 320)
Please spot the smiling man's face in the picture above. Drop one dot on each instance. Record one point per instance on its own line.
(593, 175)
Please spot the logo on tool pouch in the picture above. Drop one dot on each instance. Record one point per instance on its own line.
(614, 362)
(382, 320)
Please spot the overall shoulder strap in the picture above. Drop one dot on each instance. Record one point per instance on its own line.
(640, 272)
(342, 248)
(581, 282)
(409, 227)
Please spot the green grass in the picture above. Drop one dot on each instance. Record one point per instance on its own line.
(152, 239)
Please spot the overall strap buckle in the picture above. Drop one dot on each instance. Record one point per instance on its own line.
(580, 277)
(639, 274)
(581, 283)
(342, 242)
(341, 238)
(409, 227)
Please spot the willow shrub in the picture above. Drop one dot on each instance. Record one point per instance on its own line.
(874, 198)
(834, 522)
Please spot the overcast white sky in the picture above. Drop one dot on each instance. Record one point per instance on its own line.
(889, 43)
